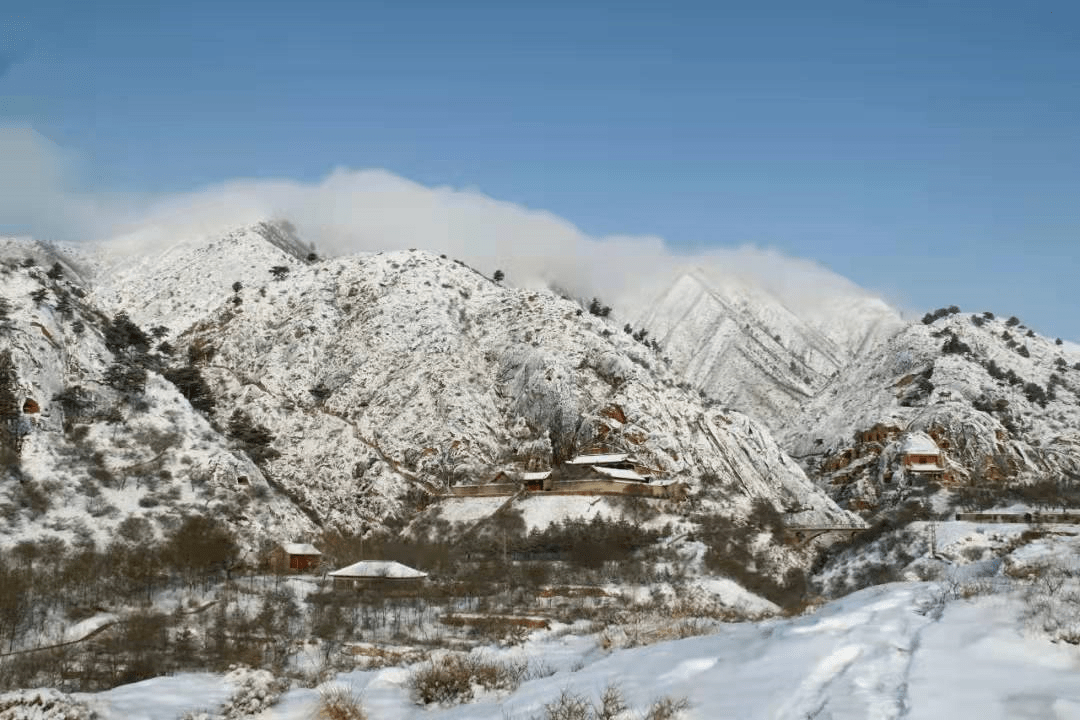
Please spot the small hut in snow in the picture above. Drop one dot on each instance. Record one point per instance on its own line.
(540, 480)
(295, 556)
(384, 575)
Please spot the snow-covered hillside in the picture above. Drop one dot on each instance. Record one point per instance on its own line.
(379, 381)
(743, 346)
(404, 371)
(1002, 402)
(89, 455)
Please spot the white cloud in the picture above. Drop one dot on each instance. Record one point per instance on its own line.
(368, 210)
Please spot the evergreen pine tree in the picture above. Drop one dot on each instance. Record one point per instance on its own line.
(63, 305)
(189, 381)
(126, 377)
(9, 411)
(254, 439)
(121, 333)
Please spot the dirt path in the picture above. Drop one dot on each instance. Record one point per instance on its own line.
(94, 633)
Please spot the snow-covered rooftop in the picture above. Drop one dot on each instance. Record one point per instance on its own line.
(599, 459)
(378, 569)
(541, 475)
(300, 549)
(621, 474)
(919, 443)
(924, 467)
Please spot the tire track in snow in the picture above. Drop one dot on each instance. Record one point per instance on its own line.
(867, 675)
(811, 698)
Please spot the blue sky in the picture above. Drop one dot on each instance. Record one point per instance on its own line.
(928, 151)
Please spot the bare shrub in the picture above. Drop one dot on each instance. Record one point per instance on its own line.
(34, 497)
(573, 706)
(667, 708)
(501, 630)
(450, 679)
(973, 553)
(338, 702)
(976, 588)
(568, 706)
(1051, 600)
(611, 704)
(933, 604)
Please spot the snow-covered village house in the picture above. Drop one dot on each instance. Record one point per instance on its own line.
(595, 473)
(613, 473)
(618, 466)
(295, 556)
(386, 576)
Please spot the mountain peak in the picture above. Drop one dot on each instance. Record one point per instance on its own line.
(178, 284)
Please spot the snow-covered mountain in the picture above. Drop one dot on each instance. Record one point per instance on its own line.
(361, 385)
(1001, 401)
(744, 346)
(92, 437)
(406, 370)
(365, 385)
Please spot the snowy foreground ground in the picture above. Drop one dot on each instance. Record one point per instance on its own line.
(886, 652)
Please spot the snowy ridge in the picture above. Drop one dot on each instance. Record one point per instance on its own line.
(744, 347)
(181, 284)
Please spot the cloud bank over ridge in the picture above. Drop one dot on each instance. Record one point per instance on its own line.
(352, 211)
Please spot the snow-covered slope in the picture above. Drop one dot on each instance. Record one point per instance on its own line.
(885, 652)
(178, 285)
(1001, 401)
(89, 457)
(745, 347)
(383, 379)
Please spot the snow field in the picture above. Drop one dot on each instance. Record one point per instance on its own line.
(876, 654)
